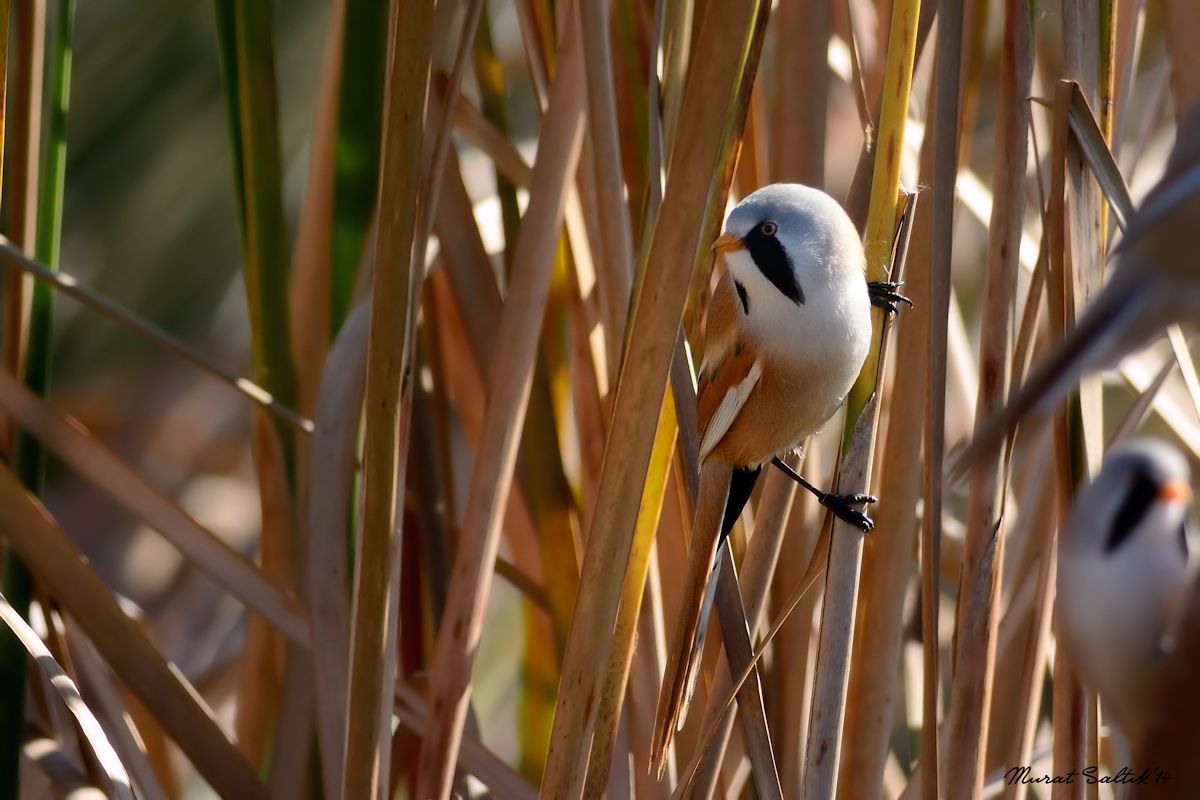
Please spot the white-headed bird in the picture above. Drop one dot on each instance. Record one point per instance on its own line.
(787, 332)
(1123, 574)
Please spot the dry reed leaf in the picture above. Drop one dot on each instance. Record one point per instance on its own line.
(439, 121)
(466, 264)
(872, 692)
(60, 768)
(815, 569)
(1087, 57)
(1024, 638)
(1187, 368)
(411, 710)
(969, 710)
(12, 257)
(534, 26)
(615, 277)
(70, 441)
(1181, 423)
(1068, 713)
(333, 463)
(98, 685)
(1141, 404)
(652, 337)
(739, 652)
(479, 131)
(790, 670)
(802, 79)
(1099, 157)
(114, 771)
(758, 570)
(396, 276)
(649, 515)
(512, 363)
(308, 292)
(23, 122)
(854, 474)
(59, 566)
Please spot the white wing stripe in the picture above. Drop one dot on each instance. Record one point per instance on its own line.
(727, 412)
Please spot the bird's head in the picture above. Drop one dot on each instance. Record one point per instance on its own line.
(792, 240)
(1139, 498)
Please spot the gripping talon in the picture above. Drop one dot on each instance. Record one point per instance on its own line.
(883, 295)
(842, 506)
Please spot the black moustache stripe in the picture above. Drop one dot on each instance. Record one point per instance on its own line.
(741, 290)
(773, 262)
(1142, 494)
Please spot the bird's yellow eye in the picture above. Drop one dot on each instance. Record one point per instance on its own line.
(769, 228)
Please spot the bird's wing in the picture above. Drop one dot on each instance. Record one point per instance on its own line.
(721, 397)
(730, 370)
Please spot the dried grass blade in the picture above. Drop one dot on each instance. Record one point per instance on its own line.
(858, 439)
(511, 375)
(27, 457)
(758, 570)
(800, 102)
(312, 261)
(475, 758)
(389, 349)
(114, 771)
(1142, 403)
(332, 465)
(23, 120)
(969, 714)
(12, 257)
(616, 275)
(99, 686)
(59, 567)
(70, 441)
(815, 570)
(479, 131)
(739, 651)
(729, 61)
(613, 692)
(1187, 367)
(1100, 158)
(1068, 713)
(1029, 648)
(1182, 424)
(873, 696)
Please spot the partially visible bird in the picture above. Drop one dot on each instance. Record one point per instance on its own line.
(1123, 574)
(1156, 283)
(787, 332)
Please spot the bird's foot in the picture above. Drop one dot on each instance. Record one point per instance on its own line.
(884, 295)
(842, 505)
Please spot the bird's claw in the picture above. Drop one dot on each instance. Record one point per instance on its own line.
(842, 505)
(884, 295)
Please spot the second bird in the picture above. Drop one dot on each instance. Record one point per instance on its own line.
(787, 332)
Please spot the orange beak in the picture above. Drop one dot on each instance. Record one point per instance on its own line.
(727, 243)
(1176, 491)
